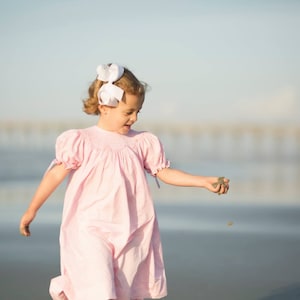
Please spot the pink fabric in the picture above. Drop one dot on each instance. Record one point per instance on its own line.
(109, 241)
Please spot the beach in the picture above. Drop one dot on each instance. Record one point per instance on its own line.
(240, 246)
(212, 251)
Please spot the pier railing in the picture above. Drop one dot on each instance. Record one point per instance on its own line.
(228, 141)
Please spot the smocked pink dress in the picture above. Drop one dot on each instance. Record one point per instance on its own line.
(109, 240)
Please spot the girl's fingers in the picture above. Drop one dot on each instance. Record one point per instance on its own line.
(25, 231)
(221, 186)
(25, 222)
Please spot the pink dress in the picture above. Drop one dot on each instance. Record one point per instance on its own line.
(109, 240)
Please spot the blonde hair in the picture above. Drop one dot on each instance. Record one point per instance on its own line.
(128, 82)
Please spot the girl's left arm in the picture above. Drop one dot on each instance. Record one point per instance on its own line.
(181, 178)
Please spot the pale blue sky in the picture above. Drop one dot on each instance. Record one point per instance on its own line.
(204, 60)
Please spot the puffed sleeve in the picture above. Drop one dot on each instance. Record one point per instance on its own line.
(153, 154)
(69, 149)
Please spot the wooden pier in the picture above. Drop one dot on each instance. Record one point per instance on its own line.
(228, 141)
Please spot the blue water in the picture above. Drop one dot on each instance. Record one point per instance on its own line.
(19, 166)
(249, 207)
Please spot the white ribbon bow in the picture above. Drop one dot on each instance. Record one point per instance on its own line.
(110, 94)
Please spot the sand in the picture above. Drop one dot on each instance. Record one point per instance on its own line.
(208, 264)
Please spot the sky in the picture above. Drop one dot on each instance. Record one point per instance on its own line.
(205, 61)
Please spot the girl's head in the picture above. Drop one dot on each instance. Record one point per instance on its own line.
(117, 95)
(124, 79)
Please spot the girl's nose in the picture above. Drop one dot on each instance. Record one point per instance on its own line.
(133, 117)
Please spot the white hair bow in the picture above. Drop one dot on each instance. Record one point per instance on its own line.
(110, 94)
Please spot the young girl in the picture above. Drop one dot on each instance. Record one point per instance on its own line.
(109, 240)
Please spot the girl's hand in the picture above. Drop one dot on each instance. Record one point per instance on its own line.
(218, 185)
(25, 222)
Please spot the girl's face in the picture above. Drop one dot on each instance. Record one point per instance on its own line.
(120, 119)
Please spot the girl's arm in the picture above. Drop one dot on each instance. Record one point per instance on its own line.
(180, 178)
(49, 183)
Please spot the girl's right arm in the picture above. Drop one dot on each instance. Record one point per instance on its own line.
(49, 183)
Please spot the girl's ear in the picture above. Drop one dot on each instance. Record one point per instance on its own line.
(103, 109)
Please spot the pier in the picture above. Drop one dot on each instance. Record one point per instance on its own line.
(226, 141)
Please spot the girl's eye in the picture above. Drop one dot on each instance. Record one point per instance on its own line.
(131, 112)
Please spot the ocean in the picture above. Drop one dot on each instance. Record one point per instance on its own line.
(240, 246)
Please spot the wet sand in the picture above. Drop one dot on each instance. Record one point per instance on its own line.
(200, 264)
